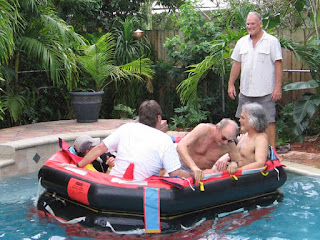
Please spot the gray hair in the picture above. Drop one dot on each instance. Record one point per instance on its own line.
(257, 116)
(226, 121)
(257, 14)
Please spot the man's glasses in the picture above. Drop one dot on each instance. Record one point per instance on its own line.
(226, 139)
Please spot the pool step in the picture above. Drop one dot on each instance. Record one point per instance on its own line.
(6, 156)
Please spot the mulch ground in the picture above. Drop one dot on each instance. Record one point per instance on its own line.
(307, 146)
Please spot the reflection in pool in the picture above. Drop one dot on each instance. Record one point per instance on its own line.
(294, 218)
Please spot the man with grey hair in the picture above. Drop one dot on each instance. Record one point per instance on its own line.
(253, 144)
(201, 149)
(258, 55)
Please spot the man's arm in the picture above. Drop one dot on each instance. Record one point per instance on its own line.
(93, 154)
(277, 91)
(260, 152)
(235, 158)
(180, 173)
(235, 70)
(198, 132)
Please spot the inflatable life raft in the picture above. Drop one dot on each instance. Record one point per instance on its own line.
(166, 204)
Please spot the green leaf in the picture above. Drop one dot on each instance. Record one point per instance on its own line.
(299, 4)
(304, 107)
(301, 85)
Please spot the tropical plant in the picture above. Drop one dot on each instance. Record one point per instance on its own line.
(40, 37)
(89, 16)
(129, 112)
(305, 108)
(192, 46)
(217, 61)
(187, 117)
(284, 125)
(9, 18)
(220, 51)
(98, 60)
(128, 49)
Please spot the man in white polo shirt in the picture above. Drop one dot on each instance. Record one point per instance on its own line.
(258, 56)
(141, 145)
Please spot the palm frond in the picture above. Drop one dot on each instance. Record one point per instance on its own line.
(14, 103)
(9, 18)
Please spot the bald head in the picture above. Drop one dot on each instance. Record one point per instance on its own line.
(255, 14)
(230, 123)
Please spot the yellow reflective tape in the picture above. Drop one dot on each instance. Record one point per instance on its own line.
(201, 186)
(234, 177)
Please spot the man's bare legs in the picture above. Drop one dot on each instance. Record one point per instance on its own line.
(272, 134)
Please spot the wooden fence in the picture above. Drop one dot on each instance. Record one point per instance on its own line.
(158, 38)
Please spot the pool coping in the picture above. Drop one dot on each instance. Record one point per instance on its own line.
(301, 169)
(44, 140)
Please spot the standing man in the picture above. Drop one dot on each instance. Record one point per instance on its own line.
(258, 56)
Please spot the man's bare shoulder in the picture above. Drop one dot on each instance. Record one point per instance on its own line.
(203, 127)
(261, 139)
(262, 136)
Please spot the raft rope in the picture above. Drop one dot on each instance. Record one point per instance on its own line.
(35, 202)
(194, 225)
(72, 221)
(190, 185)
(277, 170)
(136, 231)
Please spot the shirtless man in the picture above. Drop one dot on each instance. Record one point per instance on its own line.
(205, 144)
(253, 145)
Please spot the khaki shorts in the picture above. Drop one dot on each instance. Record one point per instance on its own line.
(265, 101)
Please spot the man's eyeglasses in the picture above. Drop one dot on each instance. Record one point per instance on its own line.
(226, 139)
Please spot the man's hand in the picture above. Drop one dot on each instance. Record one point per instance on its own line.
(232, 91)
(198, 174)
(221, 163)
(276, 94)
(232, 168)
(110, 161)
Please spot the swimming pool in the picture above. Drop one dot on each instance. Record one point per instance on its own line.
(295, 218)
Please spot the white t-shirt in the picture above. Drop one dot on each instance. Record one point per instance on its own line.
(257, 64)
(148, 148)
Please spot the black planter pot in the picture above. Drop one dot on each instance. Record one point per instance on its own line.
(86, 105)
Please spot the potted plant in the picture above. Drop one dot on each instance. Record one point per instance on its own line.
(97, 62)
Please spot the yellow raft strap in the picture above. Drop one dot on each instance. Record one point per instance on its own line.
(201, 186)
(264, 173)
(234, 177)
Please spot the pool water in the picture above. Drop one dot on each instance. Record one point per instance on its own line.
(296, 217)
